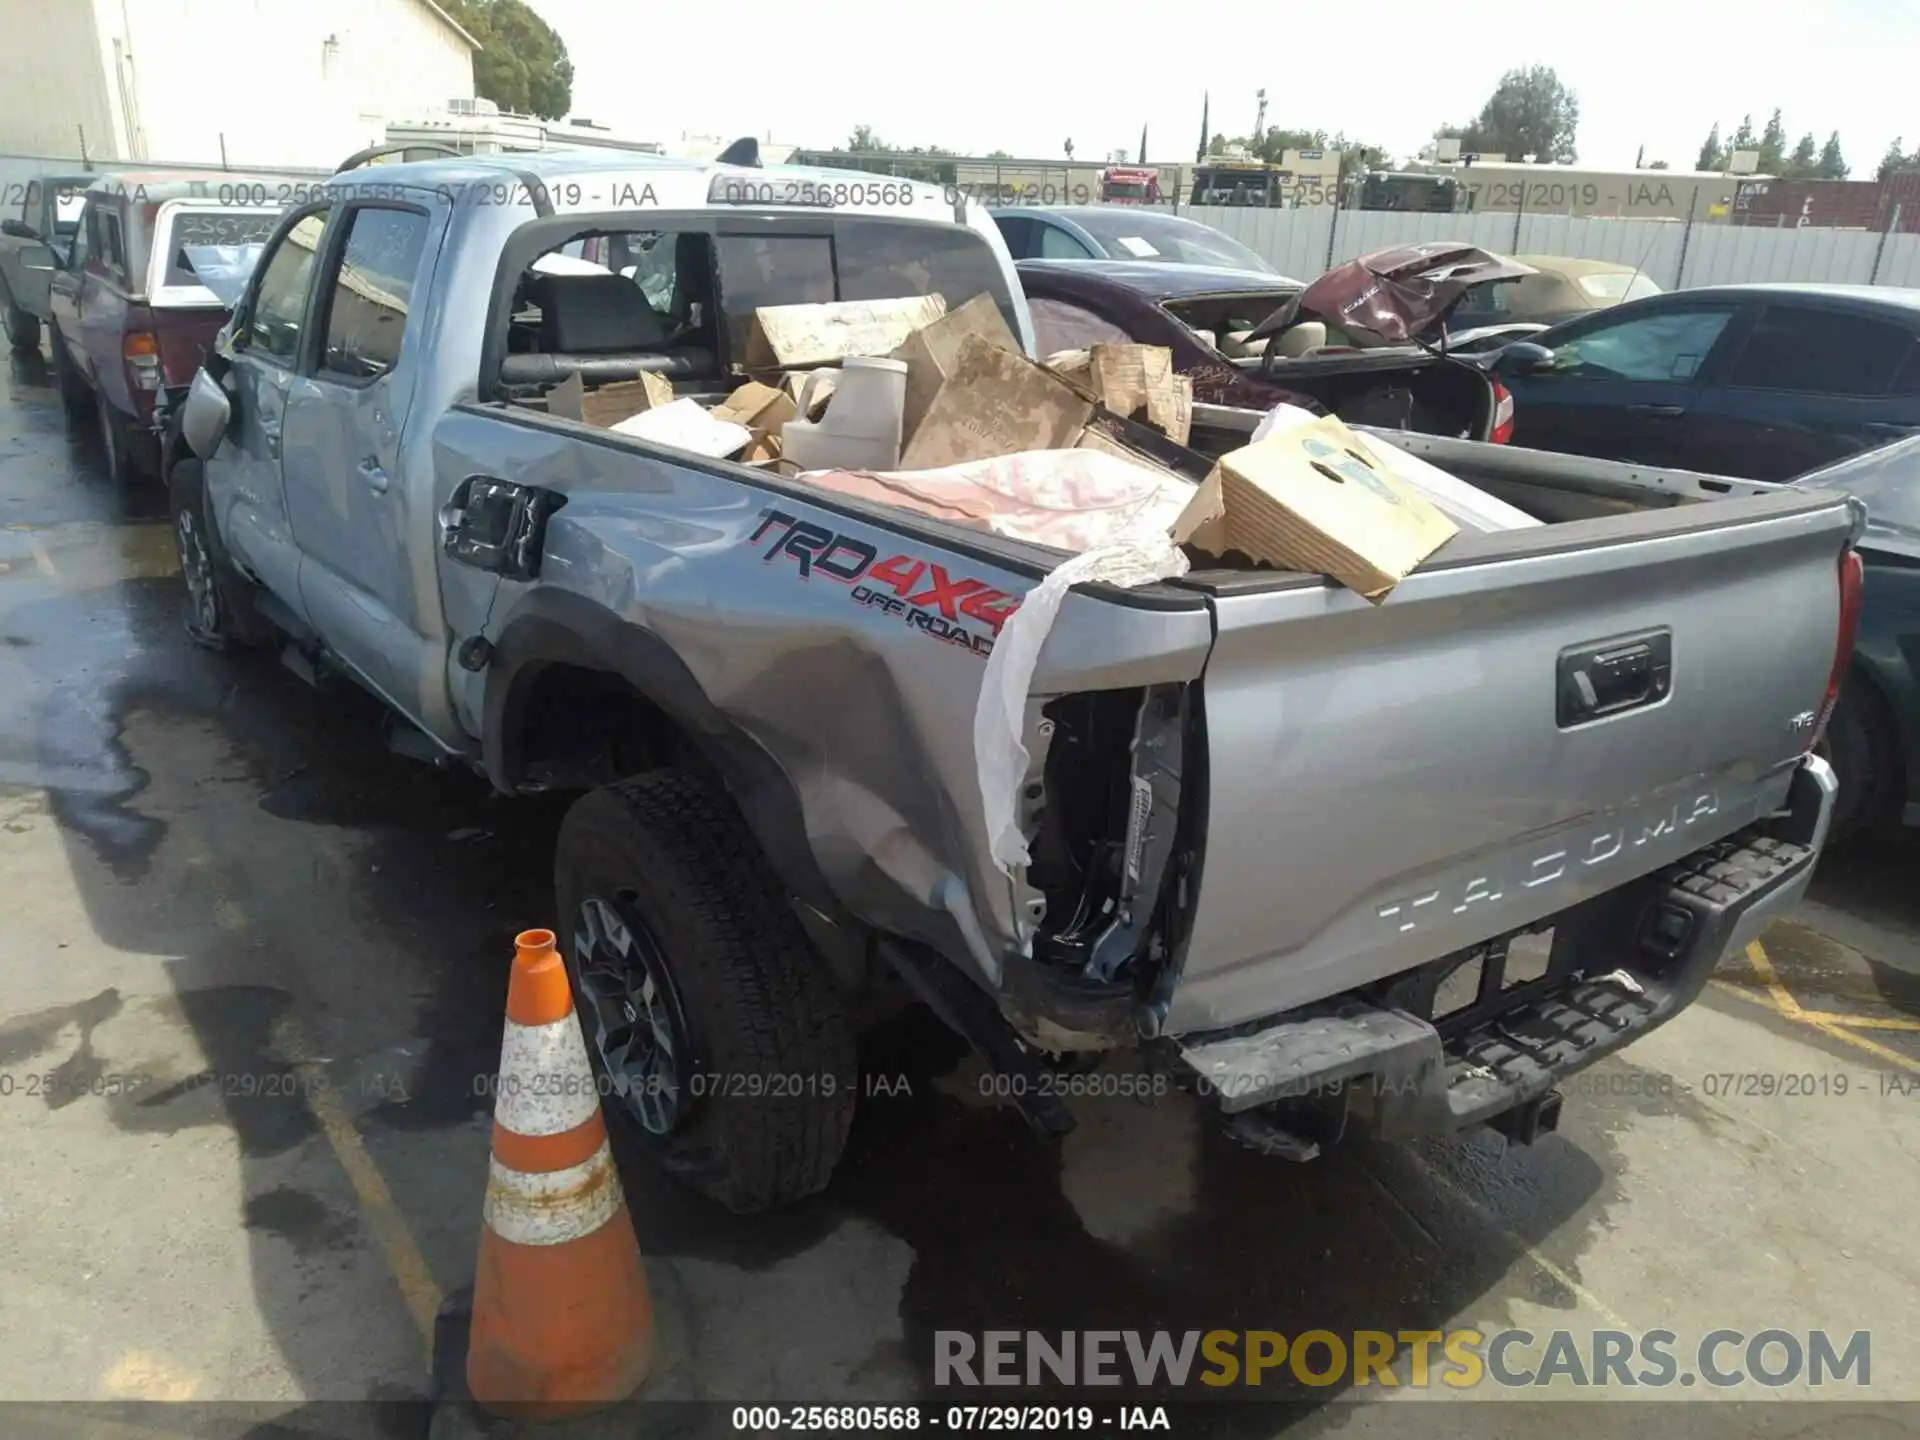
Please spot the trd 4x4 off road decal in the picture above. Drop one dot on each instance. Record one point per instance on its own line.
(920, 592)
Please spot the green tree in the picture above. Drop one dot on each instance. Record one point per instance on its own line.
(522, 64)
(1832, 165)
(1743, 138)
(864, 142)
(1804, 162)
(1894, 159)
(1713, 155)
(1773, 145)
(1659, 165)
(1529, 113)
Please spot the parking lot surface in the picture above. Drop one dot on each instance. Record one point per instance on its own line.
(253, 992)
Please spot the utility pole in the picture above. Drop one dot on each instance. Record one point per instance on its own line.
(1259, 118)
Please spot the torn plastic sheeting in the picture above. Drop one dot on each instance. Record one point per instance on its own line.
(999, 720)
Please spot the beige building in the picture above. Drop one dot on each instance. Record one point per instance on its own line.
(267, 82)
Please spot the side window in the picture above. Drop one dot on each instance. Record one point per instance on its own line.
(1670, 346)
(1017, 231)
(113, 247)
(1060, 325)
(280, 306)
(1821, 352)
(1057, 244)
(82, 250)
(372, 292)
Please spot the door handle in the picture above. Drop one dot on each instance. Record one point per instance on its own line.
(1667, 412)
(375, 477)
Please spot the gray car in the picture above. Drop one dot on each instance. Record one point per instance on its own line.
(1409, 863)
(1120, 232)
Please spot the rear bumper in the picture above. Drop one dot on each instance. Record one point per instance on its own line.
(1631, 961)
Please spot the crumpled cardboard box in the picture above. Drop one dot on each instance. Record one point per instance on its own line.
(992, 402)
(932, 349)
(787, 335)
(1131, 379)
(610, 404)
(1315, 499)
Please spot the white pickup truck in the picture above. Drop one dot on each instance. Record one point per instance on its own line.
(1409, 863)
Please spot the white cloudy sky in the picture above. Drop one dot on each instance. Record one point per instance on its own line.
(1024, 75)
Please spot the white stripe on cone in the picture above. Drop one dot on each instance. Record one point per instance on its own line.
(555, 1206)
(546, 1085)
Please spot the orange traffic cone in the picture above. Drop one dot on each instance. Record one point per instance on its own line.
(562, 1320)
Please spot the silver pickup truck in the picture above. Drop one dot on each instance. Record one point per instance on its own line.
(1406, 865)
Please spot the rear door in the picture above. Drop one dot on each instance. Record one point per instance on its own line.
(355, 523)
(1816, 380)
(1622, 385)
(1390, 784)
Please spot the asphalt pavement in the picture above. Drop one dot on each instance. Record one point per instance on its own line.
(251, 998)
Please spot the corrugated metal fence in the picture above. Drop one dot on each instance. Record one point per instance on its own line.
(1304, 242)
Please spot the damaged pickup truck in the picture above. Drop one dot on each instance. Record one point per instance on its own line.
(1410, 864)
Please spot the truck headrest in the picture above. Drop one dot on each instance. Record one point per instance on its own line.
(594, 315)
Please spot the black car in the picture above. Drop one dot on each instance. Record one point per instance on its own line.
(1761, 381)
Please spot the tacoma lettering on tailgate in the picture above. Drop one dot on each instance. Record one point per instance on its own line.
(921, 592)
(1615, 838)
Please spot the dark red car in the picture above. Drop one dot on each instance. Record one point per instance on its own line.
(153, 269)
(1213, 319)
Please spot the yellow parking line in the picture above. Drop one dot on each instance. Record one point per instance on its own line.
(1836, 1026)
(1860, 1022)
(389, 1225)
(397, 1245)
(1763, 967)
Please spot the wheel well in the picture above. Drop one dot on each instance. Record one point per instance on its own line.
(572, 728)
(1885, 720)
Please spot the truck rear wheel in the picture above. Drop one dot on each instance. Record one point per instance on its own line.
(720, 1042)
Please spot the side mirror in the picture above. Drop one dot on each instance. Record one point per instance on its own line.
(19, 229)
(204, 419)
(1524, 357)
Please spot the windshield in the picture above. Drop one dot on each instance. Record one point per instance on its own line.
(1615, 286)
(1134, 236)
(216, 249)
(860, 260)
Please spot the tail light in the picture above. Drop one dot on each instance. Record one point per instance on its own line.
(1852, 574)
(141, 350)
(1502, 414)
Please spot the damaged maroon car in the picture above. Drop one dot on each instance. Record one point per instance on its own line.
(1364, 341)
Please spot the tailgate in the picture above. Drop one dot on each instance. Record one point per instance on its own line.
(1389, 785)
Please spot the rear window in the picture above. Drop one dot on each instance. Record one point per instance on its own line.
(215, 248)
(1617, 286)
(859, 260)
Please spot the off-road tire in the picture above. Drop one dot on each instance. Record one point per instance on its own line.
(221, 616)
(76, 396)
(756, 1000)
(1863, 746)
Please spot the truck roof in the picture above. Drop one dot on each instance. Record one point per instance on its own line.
(588, 180)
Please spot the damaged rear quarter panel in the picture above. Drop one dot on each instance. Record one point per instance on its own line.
(848, 649)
